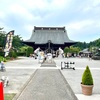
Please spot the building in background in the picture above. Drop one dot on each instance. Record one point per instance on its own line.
(49, 38)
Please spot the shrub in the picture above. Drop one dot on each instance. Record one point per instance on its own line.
(12, 54)
(2, 59)
(21, 53)
(29, 51)
(7, 58)
(87, 77)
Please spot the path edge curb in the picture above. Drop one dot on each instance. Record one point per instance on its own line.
(68, 84)
(24, 86)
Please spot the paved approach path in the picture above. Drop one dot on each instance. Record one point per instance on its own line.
(21, 70)
(47, 84)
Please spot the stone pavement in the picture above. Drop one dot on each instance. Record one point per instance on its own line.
(20, 71)
(73, 77)
(47, 84)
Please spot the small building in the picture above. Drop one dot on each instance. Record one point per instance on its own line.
(85, 53)
(49, 38)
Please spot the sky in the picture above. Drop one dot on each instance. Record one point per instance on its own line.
(81, 18)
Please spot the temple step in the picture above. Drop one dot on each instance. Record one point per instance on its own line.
(48, 64)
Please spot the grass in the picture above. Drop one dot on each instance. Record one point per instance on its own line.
(9, 96)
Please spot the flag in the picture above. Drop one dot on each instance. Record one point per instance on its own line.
(8, 45)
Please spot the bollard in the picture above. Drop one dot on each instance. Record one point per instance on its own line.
(1, 91)
(61, 66)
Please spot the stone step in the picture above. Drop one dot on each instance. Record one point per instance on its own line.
(48, 64)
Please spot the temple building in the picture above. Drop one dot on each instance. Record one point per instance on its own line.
(49, 38)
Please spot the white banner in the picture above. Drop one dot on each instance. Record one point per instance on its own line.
(8, 45)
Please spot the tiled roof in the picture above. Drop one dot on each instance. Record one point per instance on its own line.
(57, 35)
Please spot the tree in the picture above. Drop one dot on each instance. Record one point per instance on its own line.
(2, 38)
(98, 43)
(87, 78)
(29, 51)
(66, 50)
(17, 42)
(81, 45)
(74, 49)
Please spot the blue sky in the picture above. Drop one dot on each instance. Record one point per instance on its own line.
(80, 17)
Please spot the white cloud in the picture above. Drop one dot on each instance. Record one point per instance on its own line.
(19, 10)
(2, 15)
(33, 4)
(60, 4)
(79, 24)
(29, 28)
(79, 17)
(84, 30)
(96, 2)
(45, 4)
(92, 5)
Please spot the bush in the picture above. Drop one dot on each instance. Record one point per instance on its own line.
(7, 58)
(12, 54)
(29, 51)
(87, 77)
(21, 53)
(2, 59)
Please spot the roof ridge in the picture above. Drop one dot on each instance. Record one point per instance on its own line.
(49, 28)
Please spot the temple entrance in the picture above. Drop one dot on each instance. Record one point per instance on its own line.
(49, 47)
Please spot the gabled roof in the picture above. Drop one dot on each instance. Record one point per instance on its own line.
(85, 51)
(57, 35)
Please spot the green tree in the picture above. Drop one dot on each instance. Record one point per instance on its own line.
(74, 49)
(2, 38)
(22, 51)
(29, 51)
(98, 43)
(17, 42)
(66, 50)
(87, 78)
(13, 54)
(71, 50)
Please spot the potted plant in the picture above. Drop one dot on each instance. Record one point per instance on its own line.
(87, 82)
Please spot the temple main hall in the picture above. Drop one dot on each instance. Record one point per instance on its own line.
(49, 38)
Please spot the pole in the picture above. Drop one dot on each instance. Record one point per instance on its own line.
(61, 66)
(1, 91)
